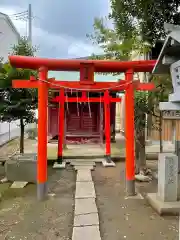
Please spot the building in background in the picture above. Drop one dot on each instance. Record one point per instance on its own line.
(9, 37)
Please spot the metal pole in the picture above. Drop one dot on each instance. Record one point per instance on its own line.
(30, 24)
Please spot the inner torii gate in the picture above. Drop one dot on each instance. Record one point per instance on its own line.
(86, 83)
(106, 99)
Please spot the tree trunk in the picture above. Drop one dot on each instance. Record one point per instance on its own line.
(137, 149)
(22, 136)
(149, 117)
(140, 152)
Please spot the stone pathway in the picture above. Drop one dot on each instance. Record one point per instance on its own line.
(86, 219)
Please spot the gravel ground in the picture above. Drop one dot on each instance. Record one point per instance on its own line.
(128, 219)
(22, 217)
(9, 148)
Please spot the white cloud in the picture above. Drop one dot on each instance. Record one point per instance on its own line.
(51, 45)
(82, 49)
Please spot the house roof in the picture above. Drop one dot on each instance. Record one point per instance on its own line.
(10, 23)
(170, 50)
(88, 57)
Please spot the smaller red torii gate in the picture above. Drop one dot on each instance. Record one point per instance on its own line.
(87, 69)
(106, 99)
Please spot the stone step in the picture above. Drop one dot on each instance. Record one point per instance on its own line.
(84, 167)
(83, 163)
(81, 160)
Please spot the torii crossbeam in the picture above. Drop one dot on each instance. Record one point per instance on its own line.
(87, 69)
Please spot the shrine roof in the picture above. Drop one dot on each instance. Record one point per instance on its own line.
(170, 50)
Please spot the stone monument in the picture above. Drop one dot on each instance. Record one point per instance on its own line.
(166, 201)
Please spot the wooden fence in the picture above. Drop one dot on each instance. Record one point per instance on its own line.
(170, 128)
(170, 131)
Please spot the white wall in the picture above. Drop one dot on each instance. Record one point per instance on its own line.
(8, 37)
(4, 126)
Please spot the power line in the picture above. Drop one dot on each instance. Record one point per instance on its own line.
(27, 17)
(19, 14)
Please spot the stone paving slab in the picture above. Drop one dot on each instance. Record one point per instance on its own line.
(90, 219)
(85, 190)
(84, 176)
(19, 184)
(85, 206)
(82, 163)
(88, 233)
(84, 167)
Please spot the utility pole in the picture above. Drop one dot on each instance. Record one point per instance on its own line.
(30, 24)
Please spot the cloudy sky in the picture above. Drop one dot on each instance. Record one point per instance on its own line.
(59, 26)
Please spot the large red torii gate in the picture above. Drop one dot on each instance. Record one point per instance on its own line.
(86, 83)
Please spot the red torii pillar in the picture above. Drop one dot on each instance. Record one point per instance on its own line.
(42, 85)
(107, 125)
(129, 134)
(42, 134)
(61, 126)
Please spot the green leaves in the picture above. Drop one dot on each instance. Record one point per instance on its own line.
(23, 48)
(144, 18)
(17, 103)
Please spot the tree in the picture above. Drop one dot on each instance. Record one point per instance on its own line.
(145, 18)
(113, 44)
(134, 34)
(17, 104)
(163, 86)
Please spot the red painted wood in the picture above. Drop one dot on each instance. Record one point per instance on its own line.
(107, 122)
(24, 84)
(82, 124)
(113, 86)
(73, 120)
(53, 121)
(42, 128)
(129, 128)
(61, 123)
(86, 73)
(74, 65)
(85, 99)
